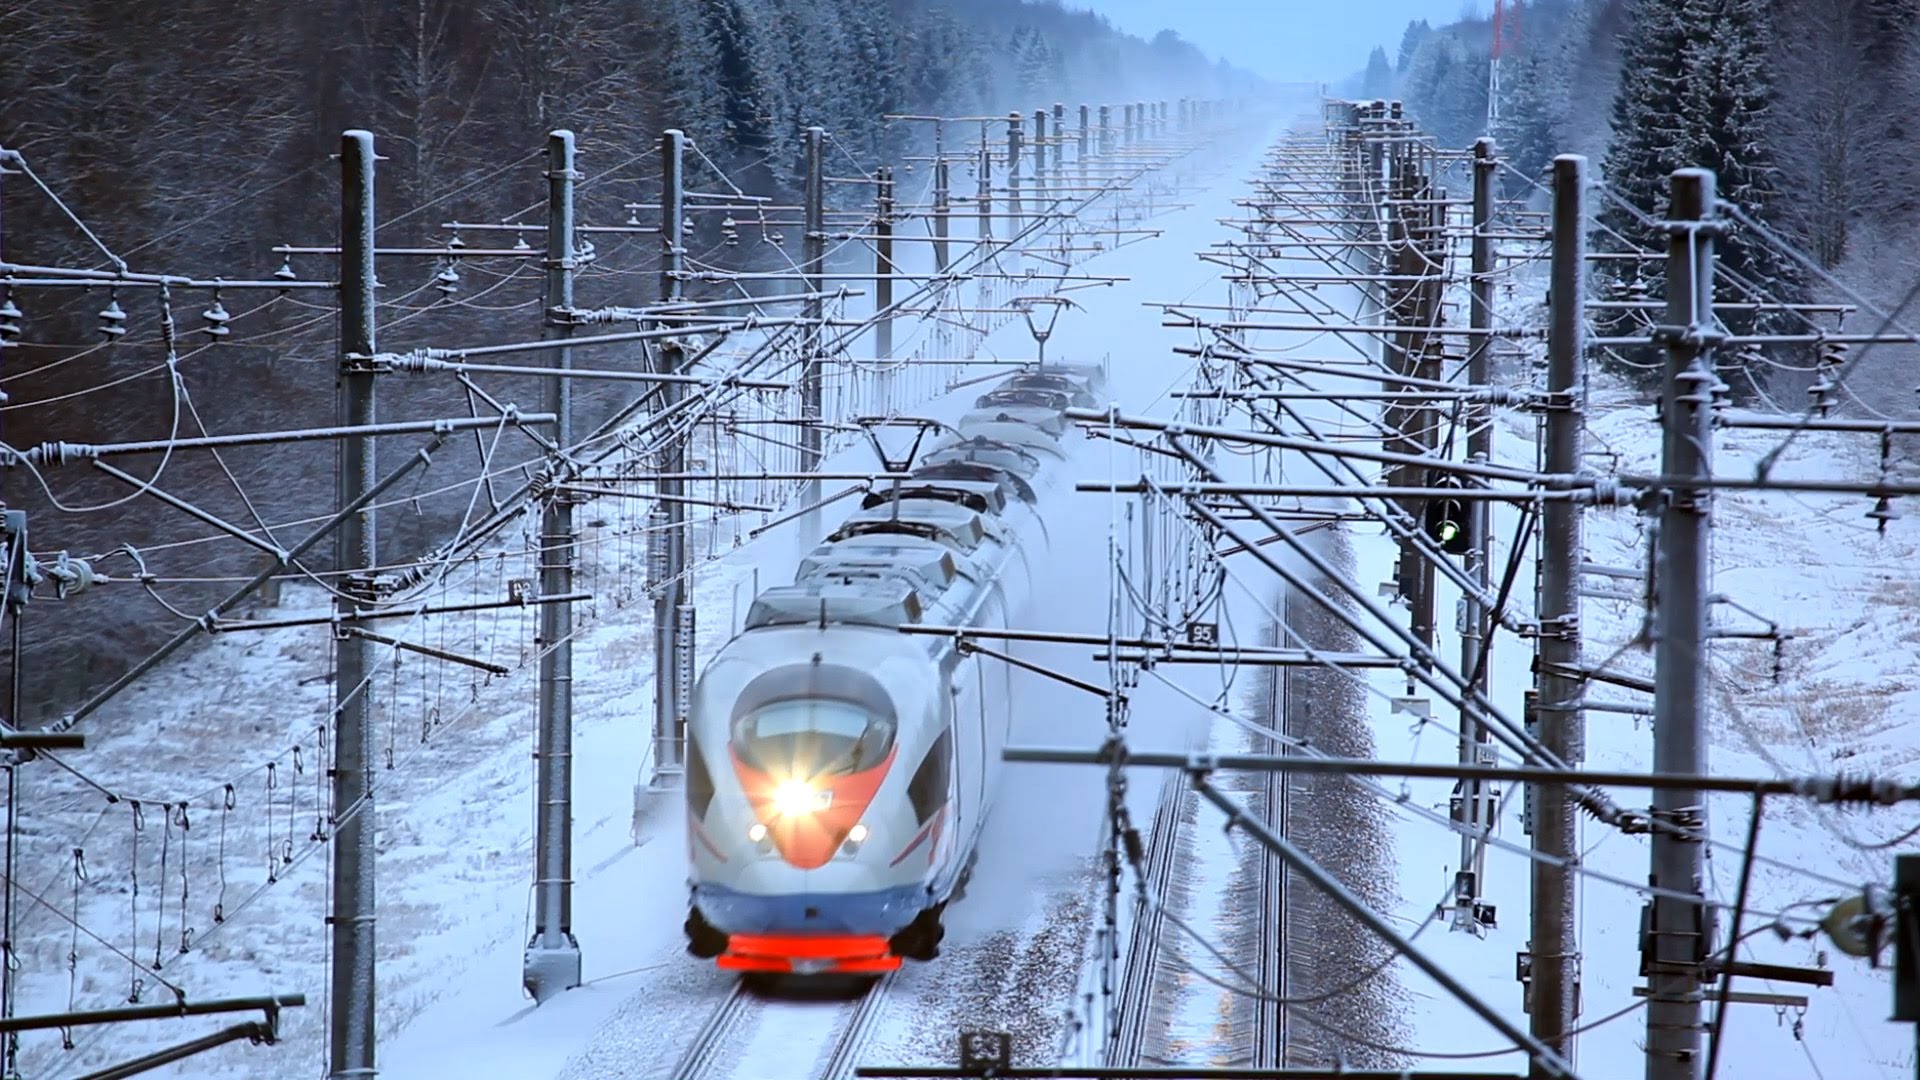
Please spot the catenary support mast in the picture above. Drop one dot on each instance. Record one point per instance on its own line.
(351, 1034)
(1556, 714)
(552, 960)
(1675, 945)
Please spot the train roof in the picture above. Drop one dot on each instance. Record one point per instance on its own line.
(981, 496)
(998, 414)
(978, 472)
(875, 602)
(955, 526)
(930, 567)
(1091, 377)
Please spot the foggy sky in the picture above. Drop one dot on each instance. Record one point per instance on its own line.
(1283, 39)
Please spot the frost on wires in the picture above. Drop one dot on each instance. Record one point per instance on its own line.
(838, 771)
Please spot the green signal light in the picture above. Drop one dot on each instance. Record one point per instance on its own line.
(1448, 530)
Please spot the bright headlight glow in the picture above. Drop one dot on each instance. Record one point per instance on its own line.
(757, 832)
(857, 834)
(797, 798)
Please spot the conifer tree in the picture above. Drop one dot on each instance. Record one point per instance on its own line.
(1378, 81)
(1695, 93)
(1537, 106)
(1417, 32)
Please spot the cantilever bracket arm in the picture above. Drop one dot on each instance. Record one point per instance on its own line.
(255, 1031)
(271, 1004)
(968, 645)
(15, 739)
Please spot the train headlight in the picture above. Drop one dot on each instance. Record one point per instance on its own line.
(757, 832)
(797, 798)
(857, 834)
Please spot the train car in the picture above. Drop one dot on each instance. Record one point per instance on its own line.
(838, 771)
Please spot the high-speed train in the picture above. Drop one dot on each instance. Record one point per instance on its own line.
(838, 770)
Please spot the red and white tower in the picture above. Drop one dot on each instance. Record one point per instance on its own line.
(1506, 38)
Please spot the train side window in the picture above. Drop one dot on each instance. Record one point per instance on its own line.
(699, 781)
(928, 789)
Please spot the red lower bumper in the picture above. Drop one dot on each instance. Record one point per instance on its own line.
(808, 954)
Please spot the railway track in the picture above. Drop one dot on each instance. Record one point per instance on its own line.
(748, 1027)
(1146, 982)
(1270, 939)
(1141, 973)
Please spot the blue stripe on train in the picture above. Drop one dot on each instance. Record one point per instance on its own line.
(887, 911)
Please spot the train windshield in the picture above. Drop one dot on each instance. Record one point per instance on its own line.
(813, 720)
(805, 739)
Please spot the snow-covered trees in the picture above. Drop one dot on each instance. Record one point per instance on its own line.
(1378, 80)
(1417, 32)
(1698, 93)
(1445, 87)
(1847, 86)
(1538, 103)
(1036, 64)
(193, 134)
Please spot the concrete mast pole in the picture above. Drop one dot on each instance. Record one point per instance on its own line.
(351, 1034)
(551, 963)
(1558, 720)
(1676, 942)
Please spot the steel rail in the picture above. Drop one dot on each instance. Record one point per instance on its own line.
(1141, 975)
(716, 1034)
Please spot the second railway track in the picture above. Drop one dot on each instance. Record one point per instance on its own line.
(1141, 970)
(1270, 939)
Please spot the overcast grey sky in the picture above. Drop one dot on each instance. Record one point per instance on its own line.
(1282, 39)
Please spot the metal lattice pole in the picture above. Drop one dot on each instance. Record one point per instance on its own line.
(984, 196)
(1040, 159)
(1557, 718)
(815, 257)
(1675, 944)
(1014, 142)
(1086, 134)
(552, 960)
(666, 532)
(351, 1036)
(1475, 635)
(883, 265)
(1059, 147)
(942, 208)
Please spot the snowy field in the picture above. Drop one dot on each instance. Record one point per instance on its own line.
(456, 812)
